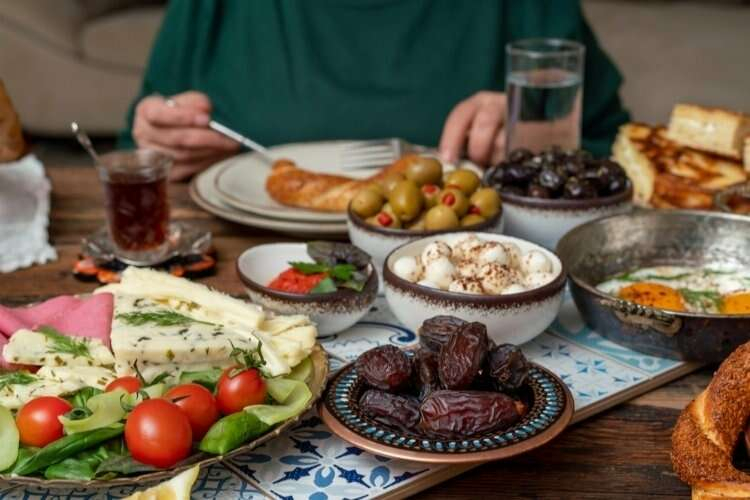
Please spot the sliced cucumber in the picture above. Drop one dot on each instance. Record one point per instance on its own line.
(291, 407)
(303, 371)
(106, 409)
(8, 439)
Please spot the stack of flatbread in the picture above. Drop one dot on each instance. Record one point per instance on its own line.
(12, 145)
(685, 165)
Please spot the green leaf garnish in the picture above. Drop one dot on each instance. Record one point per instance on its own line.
(160, 318)
(646, 277)
(326, 285)
(342, 272)
(65, 345)
(310, 267)
(16, 378)
(246, 358)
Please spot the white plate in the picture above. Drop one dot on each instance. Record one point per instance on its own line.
(204, 194)
(241, 182)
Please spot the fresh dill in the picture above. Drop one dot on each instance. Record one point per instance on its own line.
(702, 298)
(159, 318)
(62, 344)
(16, 378)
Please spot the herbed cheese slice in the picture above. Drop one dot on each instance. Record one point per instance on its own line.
(16, 395)
(138, 335)
(149, 371)
(27, 347)
(89, 376)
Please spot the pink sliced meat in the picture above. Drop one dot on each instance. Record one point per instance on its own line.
(89, 317)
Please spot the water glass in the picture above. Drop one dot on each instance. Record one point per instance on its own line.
(544, 85)
(137, 205)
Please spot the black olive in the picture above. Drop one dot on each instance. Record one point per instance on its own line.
(572, 166)
(518, 174)
(520, 155)
(551, 179)
(617, 185)
(537, 191)
(598, 177)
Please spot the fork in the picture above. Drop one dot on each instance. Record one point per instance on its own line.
(376, 153)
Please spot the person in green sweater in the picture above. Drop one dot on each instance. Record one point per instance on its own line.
(429, 71)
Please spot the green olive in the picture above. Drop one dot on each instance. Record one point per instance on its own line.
(472, 220)
(389, 182)
(465, 180)
(456, 200)
(431, 194)
(384, 219)
(424, 170)
(377, 188)
(367, 202)
(406, 200)
(486, 200)
(440, 217)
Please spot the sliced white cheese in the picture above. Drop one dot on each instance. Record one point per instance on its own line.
(88, 376)
(214, 306)
(278, 324)
(189, 342)
(15, 396)
(27, 347)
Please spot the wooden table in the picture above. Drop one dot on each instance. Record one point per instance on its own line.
(620, 454)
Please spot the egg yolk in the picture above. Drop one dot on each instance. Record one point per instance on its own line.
(736, 303)
(653, 295)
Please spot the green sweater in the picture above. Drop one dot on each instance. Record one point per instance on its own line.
(293, 70)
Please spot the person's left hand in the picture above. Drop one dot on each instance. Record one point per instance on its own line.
(476, 123)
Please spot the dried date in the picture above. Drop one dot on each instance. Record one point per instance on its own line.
(386, 367)
(390, 409)
(461, 414)
(426, 368)
(507, 367)
(461, 358)
(435, 332)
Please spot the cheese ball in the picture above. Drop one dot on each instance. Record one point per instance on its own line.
(535, 261)
(408, 268)
(496, 278)
(466, 285)
(440, 271)
(434, 251)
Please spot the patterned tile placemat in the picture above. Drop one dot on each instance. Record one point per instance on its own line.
(309, 462)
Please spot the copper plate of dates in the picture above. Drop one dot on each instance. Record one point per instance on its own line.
(550, 408)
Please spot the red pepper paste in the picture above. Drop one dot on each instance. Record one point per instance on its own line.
(294, 281)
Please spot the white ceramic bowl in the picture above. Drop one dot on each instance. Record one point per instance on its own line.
(545, 221)
(380, 241)
(513, 318)
(332, 312)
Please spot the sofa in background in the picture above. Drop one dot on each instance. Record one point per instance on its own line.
(82, 59)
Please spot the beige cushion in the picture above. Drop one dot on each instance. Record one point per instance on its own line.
(123, 39)
(53, 22)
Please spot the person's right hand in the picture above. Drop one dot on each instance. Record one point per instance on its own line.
(178, 126)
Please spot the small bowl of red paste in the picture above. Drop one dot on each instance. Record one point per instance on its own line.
(333, 283)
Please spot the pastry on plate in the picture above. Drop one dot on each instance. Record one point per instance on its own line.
(716, 130)
(290, 185)
(666, 174)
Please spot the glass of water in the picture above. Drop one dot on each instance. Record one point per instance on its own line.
(544, 78)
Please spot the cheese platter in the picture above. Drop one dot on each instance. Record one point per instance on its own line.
(147, 378)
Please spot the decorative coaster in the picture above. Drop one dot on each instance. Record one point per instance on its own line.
(191, 254)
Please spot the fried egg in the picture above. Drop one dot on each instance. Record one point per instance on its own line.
(710, 289)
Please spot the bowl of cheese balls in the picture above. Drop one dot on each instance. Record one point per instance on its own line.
(513, 286)
(424, 200)
(545, 195)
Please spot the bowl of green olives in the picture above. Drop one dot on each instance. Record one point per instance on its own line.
(425, 200)
(545, 195)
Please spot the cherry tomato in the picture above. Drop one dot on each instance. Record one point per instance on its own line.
(129, 384)
(233, 393)
(158, 433)
(37, 420)
(198, 404)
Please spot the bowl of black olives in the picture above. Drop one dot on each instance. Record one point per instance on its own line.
(424, 200)
(545, 195)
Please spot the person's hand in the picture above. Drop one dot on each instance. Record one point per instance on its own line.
(477, 124)
(178, 126)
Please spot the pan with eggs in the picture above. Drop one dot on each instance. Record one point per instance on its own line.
(707, 289)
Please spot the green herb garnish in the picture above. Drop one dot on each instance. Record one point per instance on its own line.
(310, 267)
(703, 299)
(160, 318)
(246, 358)
(16, 378)
(646, 277)
(63, 344)
(326, 285)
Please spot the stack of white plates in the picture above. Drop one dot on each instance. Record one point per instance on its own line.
(235, 189)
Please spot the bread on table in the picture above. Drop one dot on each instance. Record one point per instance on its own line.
(709, 129)
(666, 174)
(709, 429)
(12, 145)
